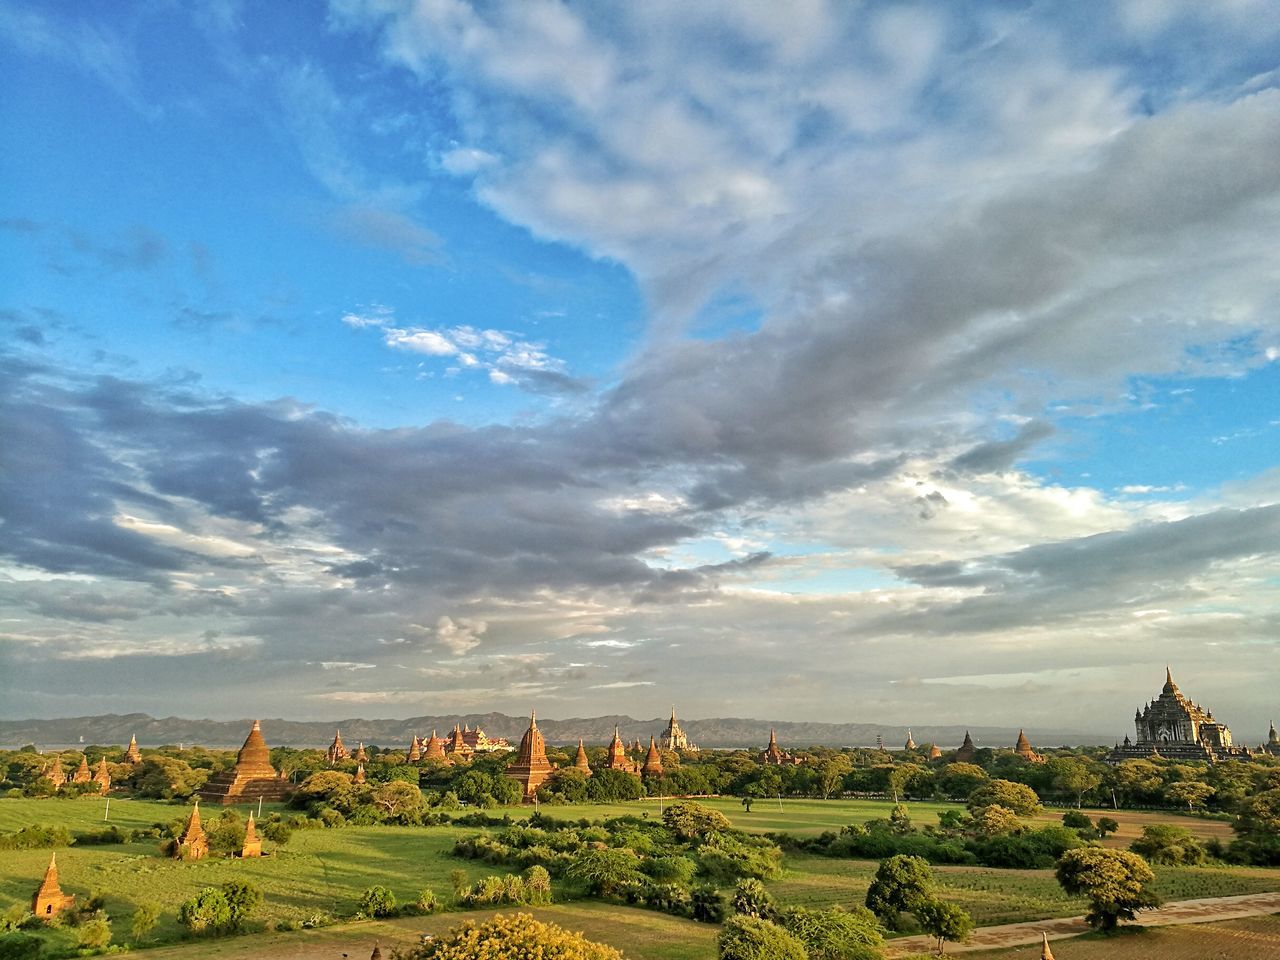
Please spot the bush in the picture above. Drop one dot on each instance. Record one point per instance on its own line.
(751, 899)
(835, 934)
(205, 913)
(143, 921)
(1168, 844)
(377, 901)
(427, 902)
(510, 937)
(20, 946)
(687, 820)
(30, 838)
(537, 885)
(242, 900)
(1017, 797)
(750, 938)
(707, 904)
(94, 933)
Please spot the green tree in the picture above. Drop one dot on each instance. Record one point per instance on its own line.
(1257, 828)
(750, 938)
(94, 933)
(206, 912)
(398, 801)
(961, 779)
(687, 820)
(831, 772)
(377, 901)
(606, 871)
(1107, 825)
(537, 885)
(835, 934)
(995, 820)
(900, 885)
(1073, 776)
(1168, 844)
(1191, 792)
(1114, 881)
(144, 920)
(1017, 797)
(242, 900)
(945, 921)
(513, 936)
(751, 899)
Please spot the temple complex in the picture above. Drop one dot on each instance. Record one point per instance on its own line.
(55, 774)
(192, 844)
(1023, 749)
(434, 750)
(652, 766)
(458, 749)
(967, 750)
(414, 753)
(773, 756)
(911, 743)
(673, 738)
(480, 743)
(618, 759)
(49, 900)
(251, 778)
(1176, 728)
(580, 762)
(252, 846)
(102, 776)
(132, 754)
(337, 752)
(82, 774)
(531, 766)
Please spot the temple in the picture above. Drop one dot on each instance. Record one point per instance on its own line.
(935, 751)
(82, 774)
(580, 761)
(531, 767)
(252, 846)
(132, 754)
(673, 738)
(359, 777)
(192, 844)
(337, 752)
(49, 900)
(414, 753)
(55, 774)
(773, 755)
(967, 750)
(252, 777)
(1273, 742)
(911, 743)
(618, 759)
(1176, 728)
(457, 748)
(102, 776)
(434, 750)
(652, 766)
(479, 742)
(1023, 749)
(360, 756)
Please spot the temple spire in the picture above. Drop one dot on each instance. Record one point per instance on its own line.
(1045, 952)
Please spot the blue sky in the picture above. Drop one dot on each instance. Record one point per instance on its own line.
(409, 357)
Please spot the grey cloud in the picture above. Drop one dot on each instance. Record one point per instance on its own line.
(996, 455)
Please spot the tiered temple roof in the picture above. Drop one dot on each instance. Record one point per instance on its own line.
(1023, 749)
(652, 761)
(252, 777)
(102, 776)
(1177, 728)
(82, 774)
(337, 751)
(618, 759)
(580, 761)
(435, 750)
(132, 754)
(967, 750)
(774, 756)
(360, 756)
(49, 900)
(252, 846)
(674, 738)
(531, 766)
(54, 772)
(192, 844)
(911, 743)
(457, 747)
(935, 751)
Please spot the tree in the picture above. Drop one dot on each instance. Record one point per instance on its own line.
(961, 779)
(606, 871)
(94, 933)
(831, 772)
(377, 901)
(835, 934)
(1073, 776)
(1017, 797)
(750, 938)
(687, 820)
(537, 885)
(398, 800)
(1192, 792)
(206, 912)
(1114, 881)
(1166, 843)
(144, 920)
(1257, 828)
(945, 921)
(511, 936)
(901, 884)
(995, 820)
(242, 899)
(1107, 825)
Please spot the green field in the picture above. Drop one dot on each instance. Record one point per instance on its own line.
(322, 872)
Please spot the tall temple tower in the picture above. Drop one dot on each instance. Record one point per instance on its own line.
(251, 778)
(1177, 728)
(673, 738)
(531, 767)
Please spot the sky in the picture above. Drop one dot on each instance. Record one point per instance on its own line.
(849, 361)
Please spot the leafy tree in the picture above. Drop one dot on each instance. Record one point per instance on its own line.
(1257, 828)
(1072, 775)
(427, 902)
(687, 820)
(961, 779)
(1075, 820)
(831, 772)
(399, 801)
(94, 933)
(1017, 797)
(1114, 881)
(164, 778)
(144, 920)
(537, 885)
(945, 921)
(1107, 825)
(751, 899)
(835, 934)
(1166, 843)
(901, 884)
(206, 912)
(750, 938)
(242, 899)
(606, 871)
(607, 786)
(995, 820)
(513, 936)
(1191, 792)
(377, 901)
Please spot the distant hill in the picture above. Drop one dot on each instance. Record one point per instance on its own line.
(719, 732)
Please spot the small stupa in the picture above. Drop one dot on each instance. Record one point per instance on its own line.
(360, 756)
(618, 759)
(102, 776)
(1045, 952)
(414, 753)
(434, 750)
(132, 754)
(82, 774)
(652, 760)
(457, 747)
(337, 752)
(935, 751)
(192, 844)
(49, 900)
(967, 750)
(359, 777)
(252, 842)
(55, 774)
(251, 778)
(1023, 749)
(910, 744)
(531, 766)
(580, 762)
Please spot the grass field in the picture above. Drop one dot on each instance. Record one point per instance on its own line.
(1255, 937)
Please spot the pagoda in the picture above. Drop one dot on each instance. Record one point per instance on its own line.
(415, 750)
(102, 776)
(674, 738)
(910, 744)
(580, 762)
(192, 844)
(618, 759)
(652, 761)
(336, 753)
(132, 754)
(55, 774)
(434, 751)
(252, 846)
(1273, 741)
(1045, 952)
(1023, 749)
(531, 768)
(935, 751)
(359, 777)
(1178, 729)
(360, 756)
(773, 755)
(49, 900)
(251, 779)
(967, 750)
(457, 747)
(82, 774)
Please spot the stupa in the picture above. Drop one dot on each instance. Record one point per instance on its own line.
(414, 753)
(967, 750)
(652, 760)
(102, 776)
(359, 777)
(910, 744)
(132, 754)
(82, 774)
(337, 752)
(55, 774)
(1023, 749)
(618, 759)
(531, 767)
(360, 756)
(192, 844)
(773, 755)
(435, 750)
(580, 762)
(935, 751)
(251, 778)
(458, 748)
(49, 900)
(252, 842)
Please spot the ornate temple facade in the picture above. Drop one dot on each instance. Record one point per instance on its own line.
(774, 756)
(531, 766)
(132, 754)
(457, 748)
(673, 737)
(337, 752)
(1273, 742)
(251, 778)
(1176, 728)
(479, 742)
(618, 758)
(49, 900)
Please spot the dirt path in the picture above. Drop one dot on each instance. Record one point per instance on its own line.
(1017, 934)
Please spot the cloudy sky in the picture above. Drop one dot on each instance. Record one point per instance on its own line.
(844, 361)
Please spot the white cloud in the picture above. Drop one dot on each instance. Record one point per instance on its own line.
(459, 636)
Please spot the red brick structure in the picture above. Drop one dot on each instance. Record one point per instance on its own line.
(252, 842)
(414, 753)
(434, 750)
(251, 778)
(192, 844)
(102, 776)
(360, 756)
(457, 748)
(359, 777)
(1023, 749)
(935, 752)
(652, 761)
(132, 754)
(336, 753)
(580, 762)
(618, 759)
(967, 750)
(911, 743)
(773, 755)
(49, 900)
(55, 774)
(531, 767)
(82, 774)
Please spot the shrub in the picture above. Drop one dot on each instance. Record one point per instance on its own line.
(1075, 820)
(750, 938)
(377, 901)
(428, 902)
(707, 904)
(1165, 843)
(1017, 797)
(30, 838)
(242, 899)
(94, 933)
(751, 899)
(206, 912)
(510, 937)
(537, 885)
(687, 820)
(944, 921)
(143, 921)
(835, 934)
(20, 946)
